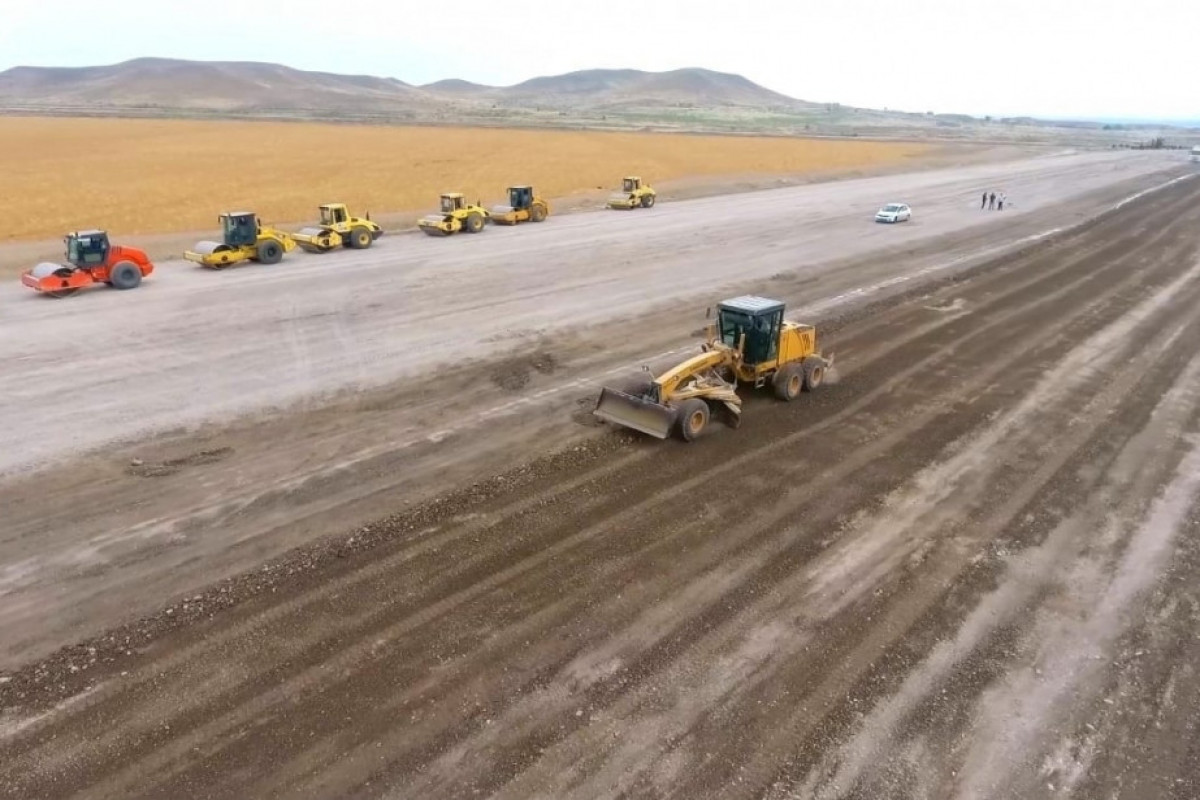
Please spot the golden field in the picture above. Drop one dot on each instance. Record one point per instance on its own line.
(160, 176)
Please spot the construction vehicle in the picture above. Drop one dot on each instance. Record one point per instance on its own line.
(750, 342)
(634, 193)
(243, 239)
(523, 205)
(338, 229)
(91, 259)
(455, 215)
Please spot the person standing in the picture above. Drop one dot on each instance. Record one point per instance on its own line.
(991, 201)
(1000, 202)
(983, 202)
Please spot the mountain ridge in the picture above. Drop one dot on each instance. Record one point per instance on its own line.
(689, 99)
(246, 85)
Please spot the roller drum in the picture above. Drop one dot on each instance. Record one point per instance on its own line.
(207, 248)
(433, 226)
(45, 270)
(315, 240)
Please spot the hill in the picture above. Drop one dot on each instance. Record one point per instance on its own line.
(616, 88)
(211, 85)
(247, 86)
(690, 99)
(457, 87)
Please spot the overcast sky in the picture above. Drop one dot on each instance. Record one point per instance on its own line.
(1081, 58)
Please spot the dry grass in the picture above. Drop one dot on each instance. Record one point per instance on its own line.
(154, 176)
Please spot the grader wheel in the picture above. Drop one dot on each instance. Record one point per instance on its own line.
(693, 418)
(814, 375)
(788, 382)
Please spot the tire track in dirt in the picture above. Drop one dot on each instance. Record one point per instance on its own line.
(1143, 739)
(499, 642)
(232, 510)
(1137, 468)
(697, 782)
(299, 474)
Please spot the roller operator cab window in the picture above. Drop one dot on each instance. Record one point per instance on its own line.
(240, 230)
(629, 185)
(85, 250)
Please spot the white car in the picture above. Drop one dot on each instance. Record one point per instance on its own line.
(894, 212)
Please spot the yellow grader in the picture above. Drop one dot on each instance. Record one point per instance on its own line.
(455, 215)
(634, 193)
(750, 342)
(338, 228)
(243, 239)
(523, 205)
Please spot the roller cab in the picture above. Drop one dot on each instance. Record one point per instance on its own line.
(635, 193)
(243, 239)
(338, 228)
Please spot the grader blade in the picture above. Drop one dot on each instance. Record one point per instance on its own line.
(633, 412)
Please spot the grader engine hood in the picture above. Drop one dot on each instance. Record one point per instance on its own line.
(638, 413)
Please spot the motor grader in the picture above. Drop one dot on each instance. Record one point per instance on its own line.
(455, 215)
(91, 259)
(750, 342)
(523, 205)
(243, 239)
(634, 193)
(338, 228)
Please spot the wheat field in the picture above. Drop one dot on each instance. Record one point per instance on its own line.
(162, 176)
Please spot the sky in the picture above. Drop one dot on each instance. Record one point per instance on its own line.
(1047, 58)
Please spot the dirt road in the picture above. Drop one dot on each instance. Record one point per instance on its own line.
(966, 569)
(194, 345)
(115, 534)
